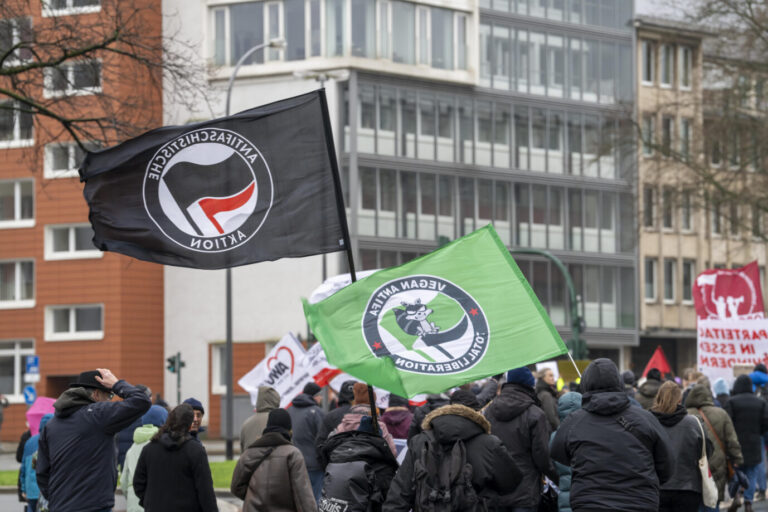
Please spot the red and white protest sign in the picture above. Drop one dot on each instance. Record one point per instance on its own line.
(735, 293)
(723, 344)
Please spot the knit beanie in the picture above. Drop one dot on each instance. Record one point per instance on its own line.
(522, 376)
(721, 387)
(464, 397)
(360, 391)
(278, 420)
(156, 416)
(628, 377)
(311, 389)
(397, 401)
(654, 374)
(195, 403)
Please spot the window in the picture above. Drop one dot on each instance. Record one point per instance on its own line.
(66, 7)
(15, 125)
(17, 204)
(649, 62)
(648, 135)
(12, 367)
(63, 159)
(295, 29)
(757, 224)
(686, 211)
(70, 242)
(649, 201)
(17, 284)
(442, 38)
(689, 274)
(733, 149)
(667, 68)
(669, 280)
(422, 24)
(735, 219)
(403, 47)
(667, 205)
(14, 32)
(716, 219)
(83, 77)
(667, 129)
(685, 139)
(685, 59)
(74, 322)
(650, 279)
(363, 28)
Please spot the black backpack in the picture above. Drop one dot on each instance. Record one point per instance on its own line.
(443, 479)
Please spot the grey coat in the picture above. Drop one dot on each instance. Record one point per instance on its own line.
(253, 427)
(306, 418)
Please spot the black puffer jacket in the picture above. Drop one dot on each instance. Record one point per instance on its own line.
(494, 473)
(547, 395)
(612, 468)
(750, 419)
(522, 426)
(334, 416)
(433, 402)
(685, 434)
(359, 471)
(306, 419)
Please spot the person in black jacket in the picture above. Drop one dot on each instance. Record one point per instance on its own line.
(517, 419)
(333, 418)
(359, 471)
(307, 418)
(76, 466)
(620, 455)
(125, 436)
(546, 392)
(433, 402)
(494, 473)
(173, 472)
(750, 420)
(682, 492)
(19, 454)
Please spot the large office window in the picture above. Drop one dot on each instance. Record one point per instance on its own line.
(363, 29)
(403, 44)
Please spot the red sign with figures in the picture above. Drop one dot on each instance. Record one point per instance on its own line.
(729, 294)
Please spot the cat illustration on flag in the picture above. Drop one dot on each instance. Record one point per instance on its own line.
(413, 320)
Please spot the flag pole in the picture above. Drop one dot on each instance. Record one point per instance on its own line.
(344, 226)
(574, 364)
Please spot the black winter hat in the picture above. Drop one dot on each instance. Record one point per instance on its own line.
(195, 404)
(88, 380)
(628, 377)
(464, 397)
(346, 393)
(311, 389)
(760, 367)
(278, 419)
(654, 374)
(397, 401)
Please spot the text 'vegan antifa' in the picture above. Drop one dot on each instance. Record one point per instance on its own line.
(458, 314)
(256, 186)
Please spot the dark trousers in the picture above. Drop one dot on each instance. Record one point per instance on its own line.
(679, 501)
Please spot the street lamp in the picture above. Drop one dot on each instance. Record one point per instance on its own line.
(277, 44)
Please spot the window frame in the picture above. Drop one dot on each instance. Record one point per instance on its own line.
(48, 92)
(72, 254)
(686, 210)
(672, 280)
(69, 10)
(17, 221)
(13, 60)
(654, 281)
(652, 191)
(648, 50)
(72, 334)
(17, 141)
(20, 303)
(667, 209)
(648, 138)
(72, 169)
(690, 264)
(17, 352)
(682, 50)
(663, 56)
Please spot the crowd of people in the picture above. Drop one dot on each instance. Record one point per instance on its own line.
(512, 443)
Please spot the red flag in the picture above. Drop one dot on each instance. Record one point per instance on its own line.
(722, 293)
(659, 361)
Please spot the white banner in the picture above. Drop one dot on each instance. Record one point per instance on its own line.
(723, 344)
(282, 369)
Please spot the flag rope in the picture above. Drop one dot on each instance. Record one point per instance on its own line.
(574, 364)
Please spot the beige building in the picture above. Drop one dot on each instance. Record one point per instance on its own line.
(681, 233)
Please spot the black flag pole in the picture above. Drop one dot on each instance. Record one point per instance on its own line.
(344, 227)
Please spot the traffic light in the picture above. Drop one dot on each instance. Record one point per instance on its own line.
(172, 366)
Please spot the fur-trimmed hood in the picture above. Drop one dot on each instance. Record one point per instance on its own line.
(455, 422)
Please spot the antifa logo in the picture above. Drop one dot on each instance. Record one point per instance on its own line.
(209, 190)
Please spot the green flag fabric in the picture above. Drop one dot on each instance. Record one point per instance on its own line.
(458, 314)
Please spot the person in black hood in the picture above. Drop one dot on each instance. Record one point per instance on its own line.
(647, 392)
(620, 455)
(333, 418)
(433, 402)
(82, 435)
(750, 420)
(682, 492)
(173, 472)
(546, 391)
(517, 419)
(307, 418)
(494, 472)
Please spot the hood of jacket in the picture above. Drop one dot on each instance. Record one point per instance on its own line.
(543, 386)
(353, 416)
(357, 445)
(267, 399)
(170, 443)
(397, 415)
(513, 401)
(304, 400)
(144, 433)
(671, 419)
(742, 385)
(436, 401)
(44, 420)
(456, 422)
(568, 403)
(698, 397)
(603, 389)
(649, 388)
(721, 387)
(71, 401)
(270, 439)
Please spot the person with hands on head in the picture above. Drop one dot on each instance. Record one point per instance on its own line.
(76, 464)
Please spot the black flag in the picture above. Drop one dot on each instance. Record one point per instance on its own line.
(260, 185)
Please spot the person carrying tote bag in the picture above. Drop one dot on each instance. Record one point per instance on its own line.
(708, 486)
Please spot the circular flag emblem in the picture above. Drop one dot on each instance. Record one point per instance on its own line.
(209, 190)
(425, 324)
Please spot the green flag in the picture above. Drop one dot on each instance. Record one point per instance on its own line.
(458, 314)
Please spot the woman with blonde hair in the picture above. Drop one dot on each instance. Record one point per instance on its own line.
(682, 492)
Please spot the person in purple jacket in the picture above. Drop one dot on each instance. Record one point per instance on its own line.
(397, 417)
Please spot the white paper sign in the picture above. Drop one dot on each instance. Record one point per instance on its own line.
(282, 370)
(722, 344)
